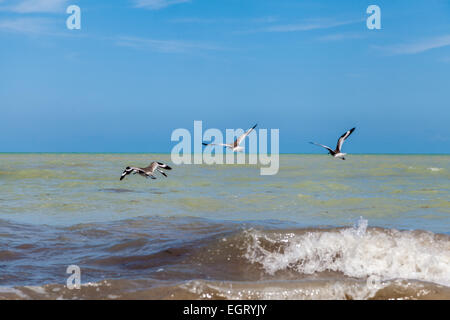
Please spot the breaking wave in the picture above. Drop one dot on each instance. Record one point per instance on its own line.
(355, 252)
(192, 258)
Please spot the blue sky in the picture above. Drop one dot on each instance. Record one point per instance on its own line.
(138, 69)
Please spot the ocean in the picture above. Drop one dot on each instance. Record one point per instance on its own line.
(369, 227)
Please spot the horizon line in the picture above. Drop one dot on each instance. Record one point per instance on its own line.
(192, 153)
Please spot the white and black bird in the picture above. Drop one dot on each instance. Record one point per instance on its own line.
(337, 152)
(235, 145)
(147, 172)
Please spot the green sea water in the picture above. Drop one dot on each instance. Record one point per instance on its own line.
(400, 191)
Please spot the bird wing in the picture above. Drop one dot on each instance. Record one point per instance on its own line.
(162, 172)
(218, 144)
(155, 165)
(164, 166)
(124, 174)
(342, 139)
(321, 145)
(242, 137)
(129, 170)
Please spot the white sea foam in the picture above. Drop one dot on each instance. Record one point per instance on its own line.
(361, 226)
(355, 252)
(37, 289)
(10, 290)
(435, 169)
(307, 290)
(281, 291)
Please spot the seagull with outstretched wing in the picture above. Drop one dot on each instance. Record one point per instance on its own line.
(147, 172)
(337, 152)
(235, 145)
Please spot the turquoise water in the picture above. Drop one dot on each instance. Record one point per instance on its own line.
(319, 229)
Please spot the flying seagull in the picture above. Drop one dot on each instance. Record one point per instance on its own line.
(146, 172)
(337, 153)
(235, 146)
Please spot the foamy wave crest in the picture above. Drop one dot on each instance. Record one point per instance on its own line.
(355, 252)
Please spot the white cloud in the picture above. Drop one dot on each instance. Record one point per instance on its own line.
(157, 4)
(25, 25)
(418, 47)
(305, 26)
(341, 36)
(32, 6)
(268, 19)
(166, 46)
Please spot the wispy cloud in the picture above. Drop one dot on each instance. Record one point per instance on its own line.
(32, 26)
(446, 59)
(36, 26)
(34, 6)
(417, 47)
(268, 19)
(165, 46)
(308, 25)
(440, 138)
(157, 4)
(341, 36)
